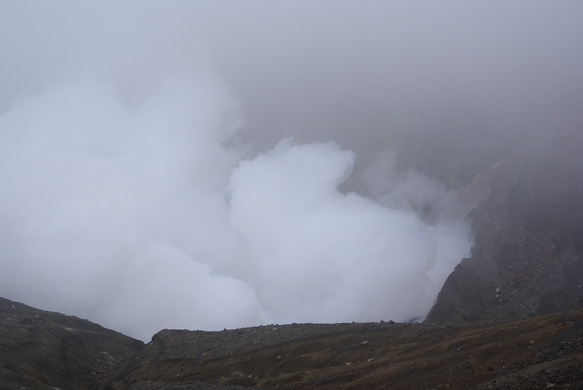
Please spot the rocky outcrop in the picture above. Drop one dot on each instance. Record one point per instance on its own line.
(47, 350)
(527, 257)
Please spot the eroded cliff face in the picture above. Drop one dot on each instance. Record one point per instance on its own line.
(527, 257)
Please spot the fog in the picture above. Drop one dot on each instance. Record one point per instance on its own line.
(220, 164)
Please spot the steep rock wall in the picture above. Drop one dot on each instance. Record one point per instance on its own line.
(528, 253)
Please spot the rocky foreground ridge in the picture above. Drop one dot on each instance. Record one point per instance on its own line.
(46, 350)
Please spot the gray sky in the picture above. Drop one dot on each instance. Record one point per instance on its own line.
(146, 180)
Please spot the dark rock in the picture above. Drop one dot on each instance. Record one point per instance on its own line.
(43, 350)
(528, 252)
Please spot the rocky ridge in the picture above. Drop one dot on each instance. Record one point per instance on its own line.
(41, 350)
(45, 350)
(527, 257)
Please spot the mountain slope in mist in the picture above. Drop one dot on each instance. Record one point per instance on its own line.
(527, 257)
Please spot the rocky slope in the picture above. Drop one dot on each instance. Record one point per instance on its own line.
(45, 350)
(528, 252)
(533, 353)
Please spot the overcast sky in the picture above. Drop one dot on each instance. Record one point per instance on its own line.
(211, 164)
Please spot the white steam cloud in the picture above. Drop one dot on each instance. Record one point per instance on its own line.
(141, 187)
(141, 218)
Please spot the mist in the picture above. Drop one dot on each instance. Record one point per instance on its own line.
(210, 165)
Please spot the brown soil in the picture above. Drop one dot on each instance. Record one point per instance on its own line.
(535, 353)
(44, 350)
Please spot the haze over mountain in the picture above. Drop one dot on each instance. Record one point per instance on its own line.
(148, 179)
